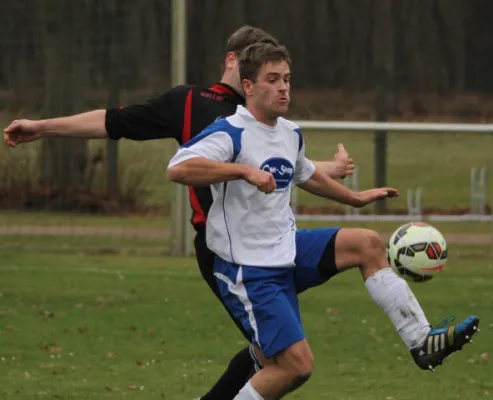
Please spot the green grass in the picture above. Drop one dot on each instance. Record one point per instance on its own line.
(142, 162)
(68, 219)
(115, 319)
(439, 163)
(84, 245)
(163, 223)
(389, 227)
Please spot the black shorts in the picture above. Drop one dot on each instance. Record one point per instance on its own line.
(325, 266)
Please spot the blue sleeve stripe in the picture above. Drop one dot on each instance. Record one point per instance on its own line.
(236, 138)
(221, 125)
(202, 135)
(298, 131)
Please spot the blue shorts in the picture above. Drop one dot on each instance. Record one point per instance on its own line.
(311, 246)
(265, 300)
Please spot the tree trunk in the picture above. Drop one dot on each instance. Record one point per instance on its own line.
(63, 161)
(383, 62)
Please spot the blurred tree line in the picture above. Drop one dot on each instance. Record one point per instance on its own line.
(59, 57)
(427, 45)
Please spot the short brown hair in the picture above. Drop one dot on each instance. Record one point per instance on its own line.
(256, 55)
(246, 36)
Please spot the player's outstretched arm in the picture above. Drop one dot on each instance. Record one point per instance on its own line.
(88, 125)
(321, 185)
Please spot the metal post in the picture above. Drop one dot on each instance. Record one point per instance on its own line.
(112, 145)
(115, 21)
(380, 141)
(178, 77)
(491, 246)
(478, 190)
(352, 182)
(188, 230)
(414, 205)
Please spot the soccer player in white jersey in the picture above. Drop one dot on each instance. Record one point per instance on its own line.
(252, 159)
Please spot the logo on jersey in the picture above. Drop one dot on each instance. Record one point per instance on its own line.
(212, 96)
(282, 171)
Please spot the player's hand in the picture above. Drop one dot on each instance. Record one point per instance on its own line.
(343, 163)
(372, 195)
(21, 131)
(264, 181)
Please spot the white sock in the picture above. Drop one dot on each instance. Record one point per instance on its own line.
(248, 393)
(393, 294)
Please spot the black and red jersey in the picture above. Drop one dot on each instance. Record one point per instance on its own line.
(180, 113)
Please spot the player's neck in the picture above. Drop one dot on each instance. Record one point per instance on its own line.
(262, 117)
(232, 81)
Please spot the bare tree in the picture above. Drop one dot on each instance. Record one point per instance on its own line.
(63, 161)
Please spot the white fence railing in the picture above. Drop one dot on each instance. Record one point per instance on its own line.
(393, 126)
(414, 204)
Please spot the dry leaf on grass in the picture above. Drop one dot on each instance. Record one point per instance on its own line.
(101, 302)
(374, 335)
(332, 311)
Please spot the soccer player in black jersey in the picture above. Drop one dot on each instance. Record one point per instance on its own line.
(180, 113)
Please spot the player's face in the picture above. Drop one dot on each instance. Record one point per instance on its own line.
(270, 93)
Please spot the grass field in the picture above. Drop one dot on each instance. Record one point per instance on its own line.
(90, 319)
(82, 219)
(439, 163)
(111, 316)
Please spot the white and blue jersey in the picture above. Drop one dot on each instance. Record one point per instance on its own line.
(244, 225)
(254, 234)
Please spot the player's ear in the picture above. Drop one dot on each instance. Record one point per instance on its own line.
(231, 60)
(247, 86)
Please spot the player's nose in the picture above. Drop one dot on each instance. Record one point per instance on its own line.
(283, 86)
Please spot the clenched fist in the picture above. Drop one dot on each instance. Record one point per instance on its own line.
(264, 181)
(21, 131)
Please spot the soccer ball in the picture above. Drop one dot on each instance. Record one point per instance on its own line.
(417, 251)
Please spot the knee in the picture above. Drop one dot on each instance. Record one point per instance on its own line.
(372, 245)
(301, 368)
(297, 364)
(304, 370)
(303, 374)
